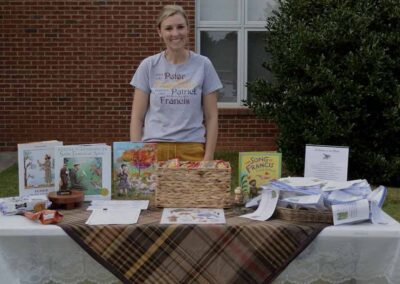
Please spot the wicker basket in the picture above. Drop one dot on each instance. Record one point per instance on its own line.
(182, 187)
(314, 216)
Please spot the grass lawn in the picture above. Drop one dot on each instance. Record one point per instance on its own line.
(9, 183)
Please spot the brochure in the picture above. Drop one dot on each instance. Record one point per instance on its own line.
(351, 212)
(192, 216)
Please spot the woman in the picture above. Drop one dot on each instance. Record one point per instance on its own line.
(175, 91)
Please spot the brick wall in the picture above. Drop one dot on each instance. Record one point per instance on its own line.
(65, 69)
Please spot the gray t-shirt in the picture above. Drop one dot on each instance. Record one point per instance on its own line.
(175, 111)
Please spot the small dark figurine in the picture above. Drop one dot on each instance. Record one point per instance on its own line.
(64, 190)
(238, 196)
(253, 188)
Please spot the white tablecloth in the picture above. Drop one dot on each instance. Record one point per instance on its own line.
(363, 253)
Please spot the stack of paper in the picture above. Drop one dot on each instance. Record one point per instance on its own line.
(350, 201)
(303, 186)
(348, 191)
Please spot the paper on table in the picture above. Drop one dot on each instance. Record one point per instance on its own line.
(269, 199)
(377, 197)
(119, 204)
(113, 216)
(253, 202)
(192, 216)
(350, 212)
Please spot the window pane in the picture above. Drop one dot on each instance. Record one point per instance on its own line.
(219, 10)
(221, 48)
(256, 56)
(259, 10)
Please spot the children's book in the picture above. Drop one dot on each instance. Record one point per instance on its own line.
(257, 169)
(134, 175)
(36, 167)
(85, 168)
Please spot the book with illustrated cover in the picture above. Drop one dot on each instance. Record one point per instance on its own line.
(85, 168)
(257, 169)
(134, 165)
(36, 173)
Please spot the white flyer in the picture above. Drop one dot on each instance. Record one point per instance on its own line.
(326, 162)
(118, 204)
(269, 199)
(113, 216)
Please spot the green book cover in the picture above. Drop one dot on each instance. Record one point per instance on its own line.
(257, 169)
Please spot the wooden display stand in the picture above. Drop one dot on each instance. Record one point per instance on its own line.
(72, 201)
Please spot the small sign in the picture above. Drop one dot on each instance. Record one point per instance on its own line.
(326, 162)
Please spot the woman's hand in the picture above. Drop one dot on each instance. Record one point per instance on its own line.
(211, 119)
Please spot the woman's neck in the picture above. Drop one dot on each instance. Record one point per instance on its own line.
(176, 57)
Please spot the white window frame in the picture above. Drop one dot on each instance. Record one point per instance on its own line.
(239, 61)
(218, 23)
(243, 26)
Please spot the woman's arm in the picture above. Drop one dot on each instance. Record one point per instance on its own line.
(211, 120)
(139, 109)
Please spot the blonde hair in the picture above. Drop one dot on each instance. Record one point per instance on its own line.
(171, 10)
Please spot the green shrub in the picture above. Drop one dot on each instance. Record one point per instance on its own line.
(336, 67)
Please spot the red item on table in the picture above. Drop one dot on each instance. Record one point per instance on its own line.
(45, 216)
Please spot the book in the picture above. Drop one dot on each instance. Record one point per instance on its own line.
(85, 168)
(257, 169)
(36, 173)
(134, 170)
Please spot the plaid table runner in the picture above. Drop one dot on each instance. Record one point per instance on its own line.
(241, 251)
